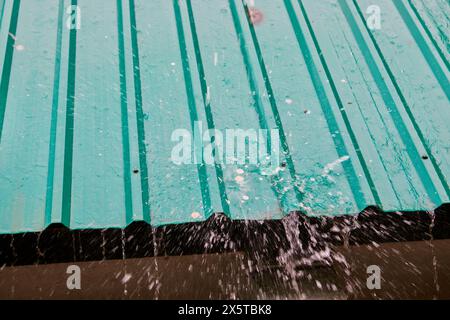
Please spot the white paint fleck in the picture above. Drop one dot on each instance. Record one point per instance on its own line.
(195, 215)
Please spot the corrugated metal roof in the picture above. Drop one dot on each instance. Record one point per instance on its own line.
(87, 115)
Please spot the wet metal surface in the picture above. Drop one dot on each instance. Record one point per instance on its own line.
(91, 92)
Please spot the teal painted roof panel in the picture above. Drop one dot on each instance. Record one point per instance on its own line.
(93, 95)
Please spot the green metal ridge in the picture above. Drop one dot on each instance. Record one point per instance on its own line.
(70, 123)
(139, 113)
(124, 112)
(7, 64)
(207, 106)
(54, 117)
(201, 167)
